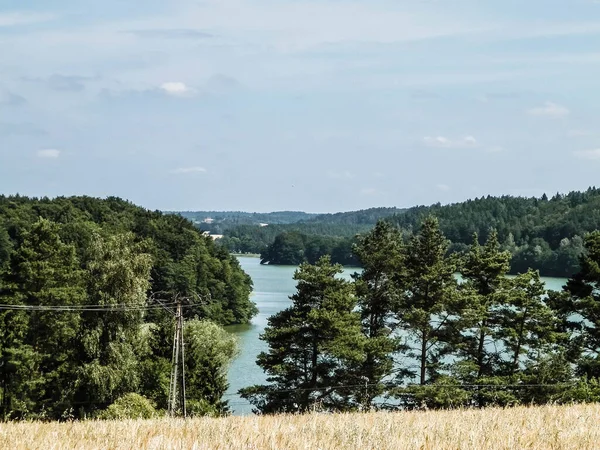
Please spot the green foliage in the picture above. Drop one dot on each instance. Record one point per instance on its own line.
(44, 271)
(378, 291)
(445, 393)
(129, 406)
(545, 235)
(484, 270)
(101, 253)
(176, 246)
(293, 248)
(209, 351)
(313, 345)
(584, 300)
(5, 246)
(427, 298)
(429, 341)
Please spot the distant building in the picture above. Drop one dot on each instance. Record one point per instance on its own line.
(208, 220)
(263, 224)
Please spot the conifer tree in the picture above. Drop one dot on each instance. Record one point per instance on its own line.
(378, 289)
(315, 346)
(583, 291)
(427, 300)
(484, 270)
(527, 325)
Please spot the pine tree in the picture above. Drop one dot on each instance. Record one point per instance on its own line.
(583, 291)
(378, 289)
(426, 303)
(315, 346)
(527, 325)
(484, 271)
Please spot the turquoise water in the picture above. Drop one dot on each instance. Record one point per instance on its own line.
(272, 287)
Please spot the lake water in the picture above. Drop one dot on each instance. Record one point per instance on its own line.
(272, 287)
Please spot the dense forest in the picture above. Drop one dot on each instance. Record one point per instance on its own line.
(253, 232)
(405, 333)
(541, 233)
(83, 322)
(218, 221)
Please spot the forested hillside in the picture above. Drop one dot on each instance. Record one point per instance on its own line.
(320, 234)
(362, 217)
(218, 221)
(541, 233)
(80, 323)
(407, 333)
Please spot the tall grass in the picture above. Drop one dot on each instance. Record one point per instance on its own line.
(549, 427)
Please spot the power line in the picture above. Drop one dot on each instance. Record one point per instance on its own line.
(457, 386)
(90, 308)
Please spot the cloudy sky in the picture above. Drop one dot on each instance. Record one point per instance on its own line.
(322, 105)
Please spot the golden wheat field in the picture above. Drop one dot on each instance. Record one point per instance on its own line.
(549, 427)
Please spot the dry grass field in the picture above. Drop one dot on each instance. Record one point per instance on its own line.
(550, 427)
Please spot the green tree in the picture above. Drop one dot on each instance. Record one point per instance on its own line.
(5, 245)
(378, 289)
(484, 270)
(288, 248)
(38, 346)
(112, 343)
(584, 299)
(209, 352)
(315, 346)
(427, 300)
(527, 325)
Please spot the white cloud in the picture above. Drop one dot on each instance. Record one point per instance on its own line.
(588, 154)
(194, 169)
(549, 109)
(176, 88)
(443, 187)
(48, 153)
(11, 19)
(444, 142)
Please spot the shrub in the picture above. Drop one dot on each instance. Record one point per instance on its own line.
(129, 406)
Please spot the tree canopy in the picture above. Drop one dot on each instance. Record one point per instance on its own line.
(80, 327)
(543, 233)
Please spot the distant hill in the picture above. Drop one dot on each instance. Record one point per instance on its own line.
(222, 220)
(543, 233)
(362, 217)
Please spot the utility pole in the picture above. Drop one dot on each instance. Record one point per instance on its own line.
(177, 397)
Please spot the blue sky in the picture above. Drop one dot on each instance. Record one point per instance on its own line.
(326, 105)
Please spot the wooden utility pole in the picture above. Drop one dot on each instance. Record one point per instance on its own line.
(177, 396)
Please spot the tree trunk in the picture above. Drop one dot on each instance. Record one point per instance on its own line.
(423, 356)
(519, 343)
(480, 349)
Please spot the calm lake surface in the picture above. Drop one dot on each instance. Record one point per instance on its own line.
(272, 287)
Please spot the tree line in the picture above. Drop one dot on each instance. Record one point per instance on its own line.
(406, 332)
(81, 327)
(543, 233)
